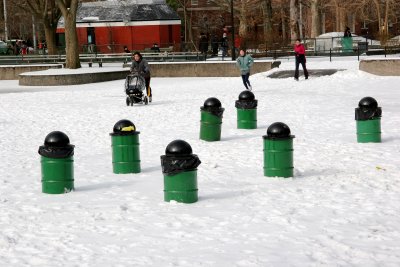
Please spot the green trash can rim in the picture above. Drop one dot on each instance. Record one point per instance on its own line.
(278, 138)
(124, 133)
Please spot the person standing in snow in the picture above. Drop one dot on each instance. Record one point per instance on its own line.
(244, 62)
(300, 57)
(141, 66)
(224, 45)
(347, 32)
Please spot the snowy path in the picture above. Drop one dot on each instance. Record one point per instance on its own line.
(339, 210)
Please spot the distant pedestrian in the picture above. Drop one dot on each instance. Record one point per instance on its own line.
(300, 57)
(244, 63)
(203, 43)
(214, 45)
(126, 50)
(238, 43)
(347, 32)
(155, 48)
(224, 45)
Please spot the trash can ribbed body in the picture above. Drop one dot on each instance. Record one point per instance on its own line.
(246, 118)
(278, 157)
(181, 187)
(210, 127)
(125, 153)
(57, 175)
(369, 131)
(347, 44)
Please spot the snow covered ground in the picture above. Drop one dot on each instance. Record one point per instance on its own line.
(342, 208)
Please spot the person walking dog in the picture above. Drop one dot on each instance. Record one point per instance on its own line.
(244, 63)
(300, 57)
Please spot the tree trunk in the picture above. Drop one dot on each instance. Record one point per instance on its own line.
(378, 13)
(69, 9)
(315, 19)
(71, 42)
(294, 18)
(50, 35)
(386, 23)
(267, 19)
(243, 26)
(337, 16)
(283, 21)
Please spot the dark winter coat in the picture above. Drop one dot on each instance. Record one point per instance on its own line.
(224, 42)
(203, 44)
(142, 67)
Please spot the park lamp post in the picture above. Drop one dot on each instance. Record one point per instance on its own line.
(233, 33)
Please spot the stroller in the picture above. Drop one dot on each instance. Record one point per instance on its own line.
(135, 89)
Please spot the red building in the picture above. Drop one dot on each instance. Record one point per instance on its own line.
(108, 26)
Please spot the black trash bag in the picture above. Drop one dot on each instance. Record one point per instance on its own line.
(363, 114)
(56, 152)
(216, 111)
(246, 104)
(174, 165)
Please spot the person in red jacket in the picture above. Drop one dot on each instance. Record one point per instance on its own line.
(300, 57)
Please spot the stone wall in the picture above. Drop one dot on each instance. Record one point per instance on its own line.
(207, 69)
(175, 69)
(71, 79)
(12, 72)
(381, 67)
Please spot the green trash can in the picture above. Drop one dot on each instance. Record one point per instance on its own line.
(179, 166)
(368, 119)
(125, 148)
(211, 120)
(246, 108)
(347, 44)
(57, 164)
(278, 151)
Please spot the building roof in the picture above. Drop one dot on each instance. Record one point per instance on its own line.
(124, 11)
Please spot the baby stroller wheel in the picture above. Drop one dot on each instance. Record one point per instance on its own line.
(146, 100)
(128, 100)
(132, 100)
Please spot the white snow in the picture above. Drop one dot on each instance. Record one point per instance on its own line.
(342, 208)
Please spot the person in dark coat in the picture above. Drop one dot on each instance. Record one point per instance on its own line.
(126, 50)
(347, 32)
(155, 48)
(140, 65)
(300, 56)
(203, 43)
(224, 45)
(214, 45)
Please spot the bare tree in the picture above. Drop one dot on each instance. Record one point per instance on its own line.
(244, 11)
(69, 9)
(294, 19)
(266, 6)
(379, 11)
(315, 18)
(46, 12)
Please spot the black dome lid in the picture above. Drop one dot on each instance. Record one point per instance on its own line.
(278, 130)
(212, 102)
(56, 139)
(123, 124)
(368, 103)
(246, 95)
(178, 148)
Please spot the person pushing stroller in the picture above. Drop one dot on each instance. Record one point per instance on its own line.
(141, 66)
